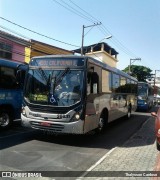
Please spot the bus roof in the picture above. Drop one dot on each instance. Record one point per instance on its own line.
(8, 63)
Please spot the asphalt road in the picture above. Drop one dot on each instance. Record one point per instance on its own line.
(29, 150)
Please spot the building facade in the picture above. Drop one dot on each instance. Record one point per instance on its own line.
(38, 48)
(12, 47)
(102, 52)
(17, 49)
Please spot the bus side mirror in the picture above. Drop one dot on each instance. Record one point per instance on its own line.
(18, 76)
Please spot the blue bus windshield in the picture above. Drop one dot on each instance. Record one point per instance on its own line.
(143, 90)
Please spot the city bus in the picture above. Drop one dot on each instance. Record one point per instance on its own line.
(75, 94)
(10, 92)
(145, 96)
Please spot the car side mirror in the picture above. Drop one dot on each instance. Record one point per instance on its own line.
(154, 114)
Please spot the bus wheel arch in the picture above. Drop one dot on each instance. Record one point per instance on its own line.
(6, 116)
(103, 120)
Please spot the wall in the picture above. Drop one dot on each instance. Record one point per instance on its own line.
(18, 51)
(104, 57)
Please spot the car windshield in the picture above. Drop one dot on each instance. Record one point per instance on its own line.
(54, 87)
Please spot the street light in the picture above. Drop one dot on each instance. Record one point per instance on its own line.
(136, 59)
(107, 37)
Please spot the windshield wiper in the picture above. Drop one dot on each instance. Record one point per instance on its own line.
(59, 79)
(43, 74)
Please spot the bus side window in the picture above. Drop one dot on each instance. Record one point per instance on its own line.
(7, 78)
(88, 83)
(94, 83)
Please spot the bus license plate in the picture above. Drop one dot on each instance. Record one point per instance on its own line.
(45, 124)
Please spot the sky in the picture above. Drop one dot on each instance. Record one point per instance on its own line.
(133, 24)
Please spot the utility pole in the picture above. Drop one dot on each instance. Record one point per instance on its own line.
(136, 59)
(95, 24)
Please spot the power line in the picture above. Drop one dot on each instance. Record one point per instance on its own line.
(103, 29)
(37, 32)
(14, 32)
(117, 43)
(73, 10)
(41, 51)
(84, 11)
(24, 55)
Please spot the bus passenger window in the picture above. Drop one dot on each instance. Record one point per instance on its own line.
(116, 82)
(88, 83)
(94, 83)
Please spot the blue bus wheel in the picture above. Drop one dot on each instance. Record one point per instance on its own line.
(5, 119)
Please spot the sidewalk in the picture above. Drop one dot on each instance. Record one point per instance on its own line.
(135, 157)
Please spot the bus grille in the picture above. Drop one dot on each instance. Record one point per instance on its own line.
(43, 109)
(51, 127)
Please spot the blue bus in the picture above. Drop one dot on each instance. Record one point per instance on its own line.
(145, 96)
(10, 92)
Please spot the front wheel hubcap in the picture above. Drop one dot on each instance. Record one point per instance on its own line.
(101, 124)
(4, 120)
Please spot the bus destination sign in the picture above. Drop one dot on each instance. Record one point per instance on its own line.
(58, 62)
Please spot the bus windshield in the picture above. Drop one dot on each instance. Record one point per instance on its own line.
(142, 91)
(54, 87)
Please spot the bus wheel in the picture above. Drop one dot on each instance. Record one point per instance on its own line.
(158, 145)
(101, 124)
(129, 112)
(5, 119)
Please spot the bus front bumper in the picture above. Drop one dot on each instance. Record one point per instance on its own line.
(55, 127)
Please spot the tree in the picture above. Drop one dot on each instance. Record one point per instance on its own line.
(142, 73)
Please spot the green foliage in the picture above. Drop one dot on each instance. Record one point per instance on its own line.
(140, 72)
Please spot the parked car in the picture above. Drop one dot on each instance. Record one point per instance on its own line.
(157, 127)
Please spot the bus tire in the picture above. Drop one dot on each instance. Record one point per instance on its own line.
(5, 119)
(157, 145)
(102, 122)
(129, 112)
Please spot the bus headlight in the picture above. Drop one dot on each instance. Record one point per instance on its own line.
(139, 97)
(75, 117)
(23, 111)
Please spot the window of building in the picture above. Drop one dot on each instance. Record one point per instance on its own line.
(5, 50)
